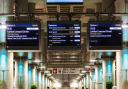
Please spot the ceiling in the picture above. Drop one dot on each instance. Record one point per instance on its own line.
(68, 58)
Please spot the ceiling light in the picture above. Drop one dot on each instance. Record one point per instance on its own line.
(74, 85)
(37, 61)
(47, 72)
(124, 25)
(93, 60)
(3, 26)
(83, 71)
(72, 57)
(81, 74)
(57, 56)
(57, 85)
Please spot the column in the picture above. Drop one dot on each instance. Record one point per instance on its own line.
(87, 80)
(43, 81)
(124, 66)
(30, 76)
(46, 82)
(16, 74)
(97, 77)
(3, 67)
(104, 73)
(84, 83)
(118, 72)
(114, 72)
(40, 80)
(20, 74)
(37, 78)
(100, 77)
(26, 74)
(80, 84)
(34, 75)
(50, 85)
(91, 81)
(10, 72)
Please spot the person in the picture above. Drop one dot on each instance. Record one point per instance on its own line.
(125, 85)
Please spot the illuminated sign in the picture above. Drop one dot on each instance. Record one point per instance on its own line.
(64, 1)
(64, 35)
(105, 36)
(22, 36)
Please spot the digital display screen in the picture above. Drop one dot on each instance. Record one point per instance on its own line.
(22, 35)
(64, 35)
(105, 36)
(64, 1)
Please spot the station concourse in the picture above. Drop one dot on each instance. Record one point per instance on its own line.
(63, 44)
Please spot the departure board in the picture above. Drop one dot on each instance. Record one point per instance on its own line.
(22, 35)
(104, 36)
(64, 1)
(64, 35)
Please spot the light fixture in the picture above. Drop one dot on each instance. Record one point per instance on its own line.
(74, 84)
(57, 56)
(83, 71)
(37, 61)
(78, 77)
(73, 57)
(3, 26)
(49, 75)
(47, 72)
(124, 25)
(93, 60)
(87, 66)
(42, 66)
(57, 85)
(81, 74)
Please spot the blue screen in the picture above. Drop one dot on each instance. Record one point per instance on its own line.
(64, 1)
(22, 36)
(105, 35)
(64, 35)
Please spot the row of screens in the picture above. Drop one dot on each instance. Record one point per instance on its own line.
(64, 1)
(64, 35)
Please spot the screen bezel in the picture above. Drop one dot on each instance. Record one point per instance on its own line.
(64, 47)
(25, 48)
(102, 47)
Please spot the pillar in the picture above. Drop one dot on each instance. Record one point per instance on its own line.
(34, 75)
(30, 76)
(118, 72)
(10, 72)
(37, 78)
(20, 75)
(91, 81)
(50, 85)
(114, 72)
(97, 77)
(43, 81)
(87, 80)
(16, 74)
(40, 80)
(46, 82)
(84, 82)
(100, 77)
(80, 84)
(104, 73)
(26, 74)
